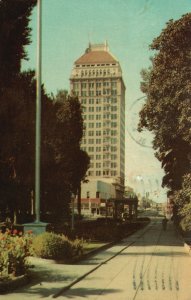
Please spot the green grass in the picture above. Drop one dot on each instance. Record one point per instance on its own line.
(88, 247)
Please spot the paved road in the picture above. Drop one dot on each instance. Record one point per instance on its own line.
(154, 267)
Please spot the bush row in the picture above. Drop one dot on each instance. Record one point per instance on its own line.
(14, 249)
(55, 246)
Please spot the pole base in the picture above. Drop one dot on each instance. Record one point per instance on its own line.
(35, 227)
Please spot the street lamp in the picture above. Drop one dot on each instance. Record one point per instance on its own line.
(38, 111)
(38, 227)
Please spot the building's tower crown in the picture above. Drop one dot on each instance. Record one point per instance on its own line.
(98, 47)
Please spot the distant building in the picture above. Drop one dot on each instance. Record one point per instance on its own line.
(96, 79)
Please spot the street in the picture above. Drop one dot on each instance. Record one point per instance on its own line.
(155, 266)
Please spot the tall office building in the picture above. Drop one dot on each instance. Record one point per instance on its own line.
(97, 81)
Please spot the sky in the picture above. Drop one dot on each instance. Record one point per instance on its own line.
(129, 26)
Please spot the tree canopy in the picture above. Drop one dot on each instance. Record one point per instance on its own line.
(63, 163)
(14, 36)
(167, 111)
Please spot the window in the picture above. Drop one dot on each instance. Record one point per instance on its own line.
(113, 141)
(98, 165)
(98, 84)
(83, 101)
(98, 141)
(98, 156)
(91, 149)
(113, 132)
(91, 141)
(98, 125)
(113, 124)
(113, 165)
(83, 85)
(91, 93)
(98, 93)
(113, 100)
(98, 173)
(113, 83)
(83, 93)
(113, 173)
(98, 108)
(90, 173)
(98, 149)
(91, 133)
(114, 108)
(91, 85)
(98, 117)
(91, 109)
(91, 101)
(91, 117)
(114, 92)
(98, 133)
(98, 101)
(91, 164)
(113, 148)
(113, 116)
(91, 125)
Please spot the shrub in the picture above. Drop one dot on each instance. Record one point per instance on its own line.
(14, 249)
(52, 246)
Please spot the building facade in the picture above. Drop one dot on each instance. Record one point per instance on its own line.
(96, 79)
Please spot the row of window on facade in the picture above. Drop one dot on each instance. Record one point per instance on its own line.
(96, 65)
(104, 156)
(107, 124)
(99, 101)
(102, 173)
(96, 93)
(91, 85)
(106, 132)
(99, 109)
(108, 164)
(92, 109)
(112, 141)
(106, 148)
(96, 72)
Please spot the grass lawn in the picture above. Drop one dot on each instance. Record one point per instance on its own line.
(92, 246)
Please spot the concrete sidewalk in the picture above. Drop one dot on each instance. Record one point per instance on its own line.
(51, 278)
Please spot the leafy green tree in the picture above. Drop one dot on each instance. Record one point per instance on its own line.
(14, 36)
(74, 161)
(167, 111)
(182, 200)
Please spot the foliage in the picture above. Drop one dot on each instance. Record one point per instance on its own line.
(182, 200)
(69, 129)
(167, 112)
(14, 249)
(63, 163)
(14, 36)
(55, 246)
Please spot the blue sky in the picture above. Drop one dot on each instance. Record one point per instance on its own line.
(129, 26)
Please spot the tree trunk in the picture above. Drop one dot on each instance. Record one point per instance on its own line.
(79, 200)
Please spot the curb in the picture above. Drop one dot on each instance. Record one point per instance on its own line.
(187, 248)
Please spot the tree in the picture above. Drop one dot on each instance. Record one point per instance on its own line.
(74, 160)
(182, 200)
(14, 36)
(167, 112)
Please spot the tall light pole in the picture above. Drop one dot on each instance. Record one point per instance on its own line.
(38, 111)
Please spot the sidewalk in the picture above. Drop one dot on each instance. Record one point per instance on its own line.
(51, 278)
